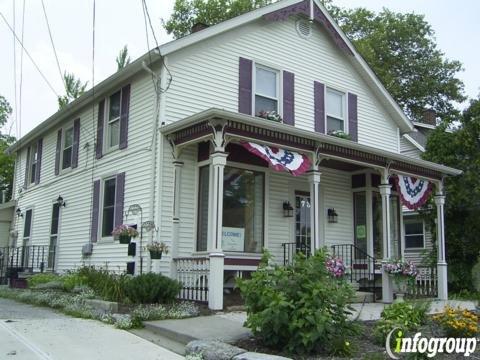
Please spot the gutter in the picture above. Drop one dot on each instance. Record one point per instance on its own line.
(214, 113)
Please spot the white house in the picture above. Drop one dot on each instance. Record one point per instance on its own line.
(179, 137)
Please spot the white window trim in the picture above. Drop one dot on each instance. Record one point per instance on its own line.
(414, 220)
(344, 107)
(106, 122)
(100, 236)
(33, 147)
(62, 147)
(29, 238)
(55, 259)
(279, 98)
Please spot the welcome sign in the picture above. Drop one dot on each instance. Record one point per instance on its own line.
(233, 239)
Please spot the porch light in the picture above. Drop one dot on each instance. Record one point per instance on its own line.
(287, 209)
(332, 215)
(19, 212)
(60, 201)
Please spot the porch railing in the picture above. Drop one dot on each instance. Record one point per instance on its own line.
(193, 273)
(361, 267)
(33, 258)
(426, 283)
(291, 249)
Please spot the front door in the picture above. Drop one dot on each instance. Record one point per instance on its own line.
(302, 222)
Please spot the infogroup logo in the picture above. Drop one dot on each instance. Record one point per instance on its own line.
(429, 346)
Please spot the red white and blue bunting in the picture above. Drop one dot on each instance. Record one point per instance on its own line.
(280, 159)
(413, 192)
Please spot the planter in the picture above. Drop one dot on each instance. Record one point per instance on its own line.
(399, 285)
(155, 255)
(124, 239)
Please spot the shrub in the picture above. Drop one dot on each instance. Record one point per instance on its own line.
(476, 275)
(107, 285)
(458, 322)
(299, 308)
(73, 279)
(406, 316)
(152, 288)
(42, 278)
(160, 312)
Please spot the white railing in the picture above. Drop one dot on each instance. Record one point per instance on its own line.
(426, 282)
(193, 273)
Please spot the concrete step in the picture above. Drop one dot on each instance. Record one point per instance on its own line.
(363, 296)
(160, 340)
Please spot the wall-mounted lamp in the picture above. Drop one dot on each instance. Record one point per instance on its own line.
(60, 201)
(287, 209)
(332, 215)
(19, 212)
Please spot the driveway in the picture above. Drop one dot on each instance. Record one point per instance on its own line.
(30, 333)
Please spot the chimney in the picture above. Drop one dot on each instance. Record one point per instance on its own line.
(429, 117)
(197, 27)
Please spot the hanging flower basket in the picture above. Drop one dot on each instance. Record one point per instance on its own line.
(124, 233)
(155, 255)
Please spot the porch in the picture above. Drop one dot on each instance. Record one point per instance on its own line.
(344, 201)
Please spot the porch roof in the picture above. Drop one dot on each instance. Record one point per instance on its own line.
(200, 127)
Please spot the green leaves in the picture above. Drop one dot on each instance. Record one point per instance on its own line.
(74, 88)
(6, 161)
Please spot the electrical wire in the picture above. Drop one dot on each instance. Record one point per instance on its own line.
(53, 46)
(19, 120)
(15, 66)
(29, 56)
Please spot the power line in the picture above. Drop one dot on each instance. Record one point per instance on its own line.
(15, 64)
(29, 56)
(53, 45)
(19, 120)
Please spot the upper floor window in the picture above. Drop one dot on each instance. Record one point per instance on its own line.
(113, 120)
(266, 89)
(108, 206)
(33, 164)
(414, 233)
(67, 148)
(335, 109)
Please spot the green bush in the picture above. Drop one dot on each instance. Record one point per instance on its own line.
(476, 275)
(405, 316)
(299, 308)
(106, 284)
(73, 279)
(42, 278)
(152, 288)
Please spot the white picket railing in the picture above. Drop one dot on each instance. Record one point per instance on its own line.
(193, 273)
(426, 283)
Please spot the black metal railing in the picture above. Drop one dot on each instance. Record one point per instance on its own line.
(32, 258)
(361, 267)
(291, 249)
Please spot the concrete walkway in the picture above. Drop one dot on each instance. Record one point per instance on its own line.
(29, 333)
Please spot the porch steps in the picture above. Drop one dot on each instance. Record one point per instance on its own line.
(363, 296)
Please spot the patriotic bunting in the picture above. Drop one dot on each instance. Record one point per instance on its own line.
(280, 159)
(413, 192)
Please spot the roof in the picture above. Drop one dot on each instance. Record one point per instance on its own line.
(315, 7)
(318, 138)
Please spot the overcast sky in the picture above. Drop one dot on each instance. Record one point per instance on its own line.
(457, 32)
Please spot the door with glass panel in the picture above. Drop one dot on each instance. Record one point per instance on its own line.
(53, 235)
(395, 243)
(302, 222)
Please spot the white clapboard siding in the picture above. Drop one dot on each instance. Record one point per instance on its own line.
(205, 75)
(408, 149)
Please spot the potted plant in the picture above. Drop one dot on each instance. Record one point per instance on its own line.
(340, 134)
(270, 115)
(156, 249)
(404, 274)
(124, 233)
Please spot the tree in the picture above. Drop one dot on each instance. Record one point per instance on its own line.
(460, 149)
(122, 59)
(187, 13)
(400, 48)
(73, 89)
(6, 161)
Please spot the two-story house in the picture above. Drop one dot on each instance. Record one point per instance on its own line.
(180, 145)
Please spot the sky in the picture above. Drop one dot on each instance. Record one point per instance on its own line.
(457, 33)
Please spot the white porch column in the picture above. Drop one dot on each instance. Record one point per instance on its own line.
(385, 191)
(314, 180)
(178, 165)
(441, 262)
(218, 161)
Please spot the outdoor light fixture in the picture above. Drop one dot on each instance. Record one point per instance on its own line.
(287, 209)
(60, 201)
(332, 215)
(19, 212)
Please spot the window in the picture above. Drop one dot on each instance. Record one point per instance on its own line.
(53, 235)
(113, 120)
(335, 108)
(243, 210)
(360, 221)
(33, 163)
(414, 233)
(266, 89)
(67, 148)
(27, 232)
(108, 206)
